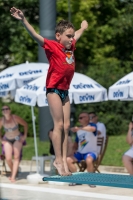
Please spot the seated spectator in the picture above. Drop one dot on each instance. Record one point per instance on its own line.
(12, 140)
(128, 155)
(85, 145)
(101, 129)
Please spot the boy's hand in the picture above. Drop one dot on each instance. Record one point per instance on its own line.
(84, 25)
(16, 13)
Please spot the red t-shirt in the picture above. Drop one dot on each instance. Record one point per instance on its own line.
(62, 64)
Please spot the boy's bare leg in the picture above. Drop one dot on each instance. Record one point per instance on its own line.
(56, 110)
(66, 111)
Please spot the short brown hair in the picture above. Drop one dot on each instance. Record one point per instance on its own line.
(63, 25)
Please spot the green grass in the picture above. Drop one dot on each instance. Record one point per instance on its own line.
(113, 156)
(29, 149)
(116, 147)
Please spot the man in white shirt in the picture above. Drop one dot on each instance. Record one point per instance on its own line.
(85, 144)
(101, 129)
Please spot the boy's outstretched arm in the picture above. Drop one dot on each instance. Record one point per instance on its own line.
(18, 14)
(78, 33)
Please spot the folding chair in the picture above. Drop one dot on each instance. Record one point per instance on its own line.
(101, 155)
(3, 169)
(82, 164)
(96, 163)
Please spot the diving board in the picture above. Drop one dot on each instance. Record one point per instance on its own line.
(112, 180)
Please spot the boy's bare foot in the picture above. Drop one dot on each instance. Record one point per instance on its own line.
(12, 180)
(60, 168)
(67, 170)
(10, 177)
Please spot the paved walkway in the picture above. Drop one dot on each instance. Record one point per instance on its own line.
(23, 190)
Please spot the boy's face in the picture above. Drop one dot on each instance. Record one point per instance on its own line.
(66, 38)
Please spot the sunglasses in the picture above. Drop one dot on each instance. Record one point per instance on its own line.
(5, 109)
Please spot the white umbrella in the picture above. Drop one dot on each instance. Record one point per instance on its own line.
(28, 94)
(3, 94)
(82, 90)
(18, 75)
(85, 90)
(122, 89)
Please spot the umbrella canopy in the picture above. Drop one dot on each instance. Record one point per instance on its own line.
(82, 90)
(85, 90)
(18, 75)
(122, 89)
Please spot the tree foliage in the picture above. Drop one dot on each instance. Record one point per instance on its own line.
(104, 52)
(17, 46)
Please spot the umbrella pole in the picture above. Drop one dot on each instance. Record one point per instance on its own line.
(35, 143)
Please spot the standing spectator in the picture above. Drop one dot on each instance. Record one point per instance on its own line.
(128, 155)
(101, 129)
(12, 140)
(85, 145)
